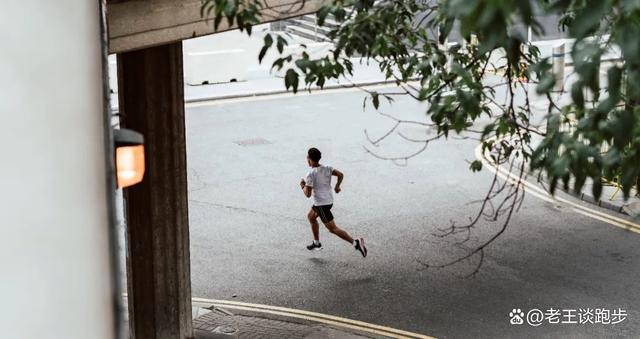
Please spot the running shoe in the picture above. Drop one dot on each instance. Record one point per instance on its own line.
(361, 247)
(314, 246)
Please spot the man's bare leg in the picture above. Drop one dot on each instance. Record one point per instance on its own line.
(333, 228)
(315, 227)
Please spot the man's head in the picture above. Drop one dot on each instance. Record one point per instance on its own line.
(313, 156)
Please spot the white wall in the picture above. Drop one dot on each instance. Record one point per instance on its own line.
(54, 257)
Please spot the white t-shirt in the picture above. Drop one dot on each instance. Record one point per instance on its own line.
(319, 178)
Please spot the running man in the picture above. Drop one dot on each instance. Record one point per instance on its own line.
(318, 183)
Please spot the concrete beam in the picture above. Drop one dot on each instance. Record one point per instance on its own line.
(140, 24)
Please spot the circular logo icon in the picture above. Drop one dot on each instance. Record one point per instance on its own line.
(535, 317)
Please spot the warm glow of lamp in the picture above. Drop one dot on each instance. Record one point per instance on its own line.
(129, 147)
(129, 165)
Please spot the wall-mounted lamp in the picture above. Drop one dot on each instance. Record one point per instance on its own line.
(129, 147)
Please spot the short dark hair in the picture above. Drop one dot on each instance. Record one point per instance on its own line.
(314, 154)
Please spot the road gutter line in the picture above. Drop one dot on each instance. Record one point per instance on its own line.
(628, 228)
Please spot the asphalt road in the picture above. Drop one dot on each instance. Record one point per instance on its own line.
(248, 227)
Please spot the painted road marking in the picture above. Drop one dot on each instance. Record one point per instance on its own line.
(314, 316)
(311, 316)
(628, 228)
(544, 195)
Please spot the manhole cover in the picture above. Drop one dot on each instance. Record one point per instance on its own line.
(225, 329)
(252, 142)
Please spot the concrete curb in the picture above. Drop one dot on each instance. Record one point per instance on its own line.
(590, 199)
(630, 207)
(618, 207)
(284, 91)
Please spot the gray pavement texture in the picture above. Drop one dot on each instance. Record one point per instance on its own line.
(248, 227)
(214, 322)
(212, 325)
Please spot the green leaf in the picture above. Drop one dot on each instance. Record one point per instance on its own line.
(375, 99)
(279, 63)
(322, 15)
(487, 130)
(614, 77)
(476, 166)
(444, 30)
(576, 94)
(268, 41)
(291, 80)
(546, 83)
(587, 20)
(281, 43)
(597, 188)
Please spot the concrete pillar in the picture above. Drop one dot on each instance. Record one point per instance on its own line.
(557, 57)
(151, 101)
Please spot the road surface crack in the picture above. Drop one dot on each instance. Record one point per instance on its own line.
(247, 210)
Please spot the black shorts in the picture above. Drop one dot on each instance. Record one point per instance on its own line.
(324, 212)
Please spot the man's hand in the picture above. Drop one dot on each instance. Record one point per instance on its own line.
(302, 183)
(340, 176)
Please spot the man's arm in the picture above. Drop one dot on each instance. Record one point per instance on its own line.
(305, 189)
(340, 176)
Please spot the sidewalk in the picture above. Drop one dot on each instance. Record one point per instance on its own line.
(228, 320)
(611, 198)
(218, 323)
(364, 75)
